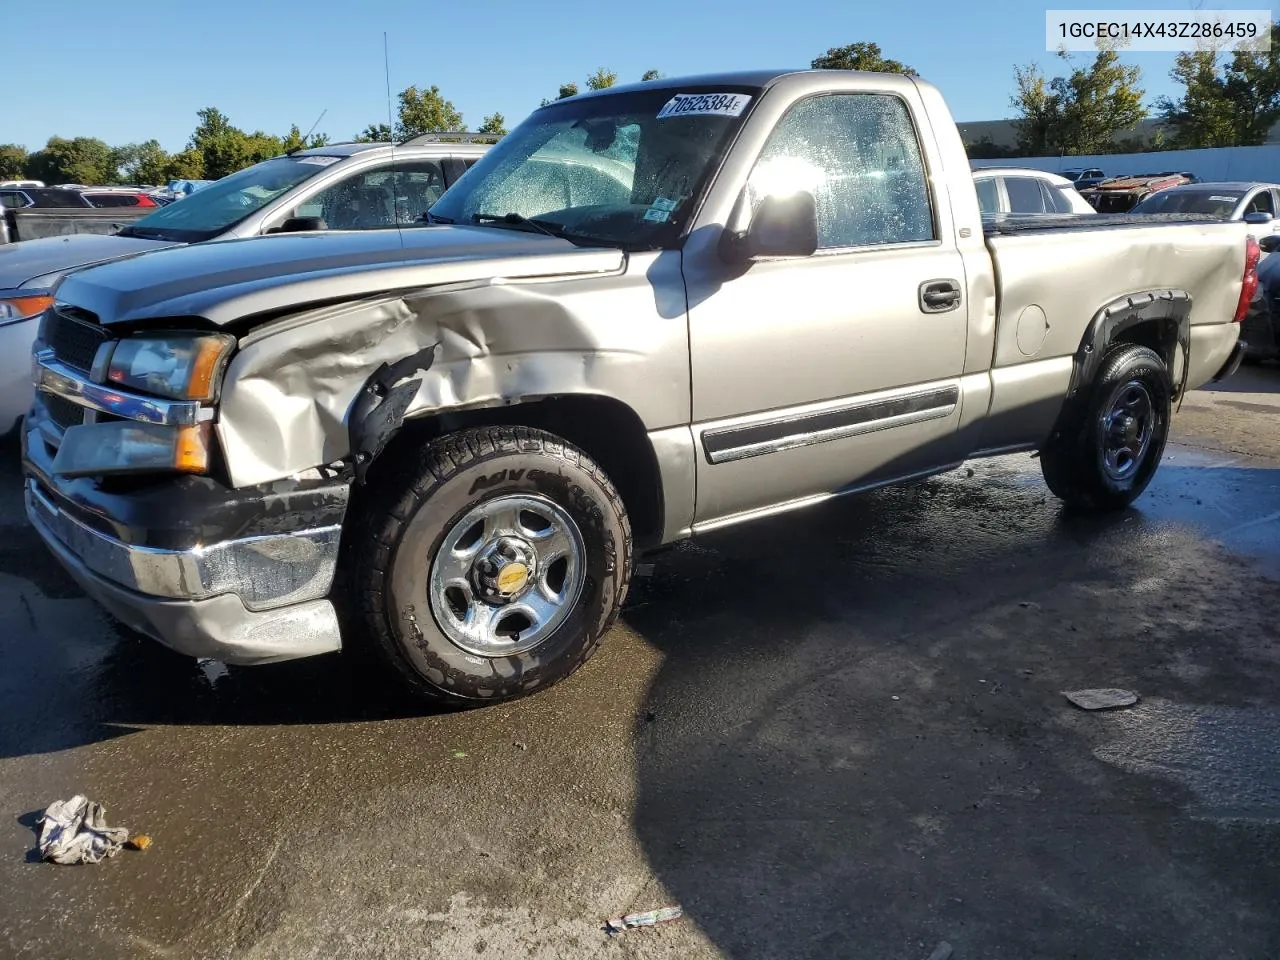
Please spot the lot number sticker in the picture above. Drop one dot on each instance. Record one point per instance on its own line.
(705, 104)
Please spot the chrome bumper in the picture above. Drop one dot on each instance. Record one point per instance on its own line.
(255, 600)
(264, 572)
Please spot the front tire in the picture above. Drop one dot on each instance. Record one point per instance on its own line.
(1104, 456)
(491, 564)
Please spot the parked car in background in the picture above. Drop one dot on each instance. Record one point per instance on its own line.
(1084, 177)
(1122, 194)
(21, 183)
(460, 434)
(23, 198)
(1021, 190)
(351, 186)
(118, 198)
(1253, 202)
(1261, 328)
(32, 223)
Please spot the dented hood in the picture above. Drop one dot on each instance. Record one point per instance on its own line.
(230, 280)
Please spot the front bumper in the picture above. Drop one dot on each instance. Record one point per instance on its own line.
(245, 580)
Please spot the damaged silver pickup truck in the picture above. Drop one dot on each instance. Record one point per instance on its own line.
(647, 313)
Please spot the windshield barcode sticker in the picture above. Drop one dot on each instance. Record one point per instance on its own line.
(660, 210)
(705, 104)
(319, 161)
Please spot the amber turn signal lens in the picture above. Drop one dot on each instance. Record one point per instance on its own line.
(210, 353)
(19, 308)
(191, 451)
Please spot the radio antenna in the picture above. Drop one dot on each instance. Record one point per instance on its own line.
(307, 135)
(386, 63)
(395, 200)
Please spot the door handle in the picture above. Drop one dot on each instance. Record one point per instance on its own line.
(939, 296)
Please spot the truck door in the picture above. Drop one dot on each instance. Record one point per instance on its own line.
(842, 369)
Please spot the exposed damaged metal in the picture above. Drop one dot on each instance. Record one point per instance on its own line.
(298, 391)
(379, 408)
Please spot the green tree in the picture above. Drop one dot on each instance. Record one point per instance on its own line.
(375, 133)
(224, 148)
(85, 160)
(13, 161)
(146, 162)
(1038, 121)
(213, 124)
(235, 150)
(650, 75)
(293, 140)
(1081, 112)
(426, 111)
(495, 124)
(187, 165)
(1225, 102)
(567, 90)
(859, 56)
(602, 79)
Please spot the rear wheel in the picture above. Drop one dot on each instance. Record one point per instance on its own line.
(491, 564)
(1104, 458)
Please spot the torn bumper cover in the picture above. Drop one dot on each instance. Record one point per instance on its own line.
(258, 597)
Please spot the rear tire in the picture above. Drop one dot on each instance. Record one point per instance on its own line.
(490, 564)
(1106, 454)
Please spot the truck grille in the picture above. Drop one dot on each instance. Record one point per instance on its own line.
(61, 411)
(73, 341)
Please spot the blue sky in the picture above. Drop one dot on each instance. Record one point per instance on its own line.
(144, 71)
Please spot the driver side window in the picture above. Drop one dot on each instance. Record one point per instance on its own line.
(859, 156)
(377, 199)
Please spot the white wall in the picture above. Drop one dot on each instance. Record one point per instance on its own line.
(1221, 163)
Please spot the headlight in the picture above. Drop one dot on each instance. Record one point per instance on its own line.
(15, 308)
(124, 447)
(181, 367)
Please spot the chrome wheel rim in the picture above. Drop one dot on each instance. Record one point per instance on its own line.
(1127, 428)
(507, 574)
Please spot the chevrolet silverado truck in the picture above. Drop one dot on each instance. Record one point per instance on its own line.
(647, 313)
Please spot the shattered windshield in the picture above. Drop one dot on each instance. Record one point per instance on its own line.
(214, 209)
(621, 169)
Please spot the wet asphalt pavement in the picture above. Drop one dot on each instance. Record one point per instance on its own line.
(838, 733)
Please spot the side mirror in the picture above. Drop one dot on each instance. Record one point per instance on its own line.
(300, 225)
(1269, 243)
(1257, 217)
(782, 226)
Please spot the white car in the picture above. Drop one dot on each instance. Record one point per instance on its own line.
(1251, 201)
(1022, 190)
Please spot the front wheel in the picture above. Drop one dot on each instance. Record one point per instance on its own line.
(1104, 457)
(492, 565)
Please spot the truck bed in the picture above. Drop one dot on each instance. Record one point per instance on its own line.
(1054, 274)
